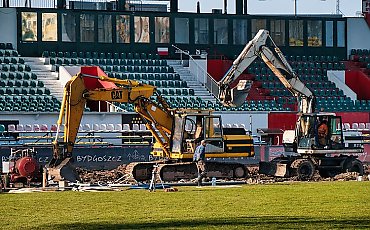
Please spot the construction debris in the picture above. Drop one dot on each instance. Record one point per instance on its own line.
(117, 176)
(105, 176)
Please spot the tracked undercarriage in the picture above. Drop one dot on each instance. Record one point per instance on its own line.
(172, 171)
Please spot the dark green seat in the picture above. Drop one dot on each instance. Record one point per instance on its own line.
(45, 54)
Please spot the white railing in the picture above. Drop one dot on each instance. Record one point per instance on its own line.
(200, 74)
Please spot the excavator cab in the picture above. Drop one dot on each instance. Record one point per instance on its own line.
(319, 131)
(190, 128)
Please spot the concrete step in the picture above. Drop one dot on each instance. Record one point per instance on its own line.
(44, 73)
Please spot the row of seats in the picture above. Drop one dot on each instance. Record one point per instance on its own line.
(304, 77)
(35, 98)
(92, 61)
(18, 76)
(176, 92)
(300, 71)
(310, 58)
(166, 84)
(6, 45)
(138, 69)
(311, 85)
(97, 55)
(131, 69)
(8, 53)
(21, 83)
(11, 60)
(31, 103)
(24, 91)
(28, 107)
(329, 65)
(83, 128)
(328, 92)
(15, 67)
(360, 52)
(144, 76)
(177, 101)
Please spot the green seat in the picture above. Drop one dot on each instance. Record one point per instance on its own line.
(144, 76)
(130, 56)
(171, 92)
(18, 83)
(9, 91)
(32, 91)
(45, 54)
(151, 76)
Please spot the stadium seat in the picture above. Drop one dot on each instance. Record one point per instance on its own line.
(118, 128)
(126, 127)
(12, 128)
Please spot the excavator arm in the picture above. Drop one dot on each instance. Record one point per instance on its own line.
(157, 116)
(236, 96)
(276, 61)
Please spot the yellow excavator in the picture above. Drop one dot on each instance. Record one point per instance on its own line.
(176, 132)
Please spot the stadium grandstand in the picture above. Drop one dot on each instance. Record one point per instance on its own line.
(46, 42)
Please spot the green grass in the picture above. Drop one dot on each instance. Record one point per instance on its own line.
(324, 205)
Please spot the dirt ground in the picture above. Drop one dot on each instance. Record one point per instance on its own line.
(118, 176)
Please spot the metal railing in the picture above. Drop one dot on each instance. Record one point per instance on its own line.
(200, 74)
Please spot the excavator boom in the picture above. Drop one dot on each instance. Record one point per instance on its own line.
(276, 61)
(157, 116)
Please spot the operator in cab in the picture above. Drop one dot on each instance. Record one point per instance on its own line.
(322, 132)
(199, 158)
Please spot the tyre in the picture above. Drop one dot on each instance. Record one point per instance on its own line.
(354, 165)
(303, 169)
(325, 173)
(240, 172)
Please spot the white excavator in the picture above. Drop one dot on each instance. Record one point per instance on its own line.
(307, 149)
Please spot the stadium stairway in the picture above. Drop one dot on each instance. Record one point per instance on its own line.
(185, 75)
(44, 73)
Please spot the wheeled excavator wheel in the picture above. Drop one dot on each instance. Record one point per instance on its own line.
(354, 165)
(303, 169)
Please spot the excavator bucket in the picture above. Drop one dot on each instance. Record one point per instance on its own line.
(274, 168)
(237, 95)
(60, 170)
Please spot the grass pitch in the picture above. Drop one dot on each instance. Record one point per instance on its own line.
(321, 205)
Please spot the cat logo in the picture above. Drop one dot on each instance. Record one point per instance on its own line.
(116, 95)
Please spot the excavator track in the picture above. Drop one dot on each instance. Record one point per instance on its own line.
(142, 171)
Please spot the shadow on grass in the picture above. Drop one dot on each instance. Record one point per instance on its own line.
(273, 222)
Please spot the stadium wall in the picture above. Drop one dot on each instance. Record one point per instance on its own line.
(358, 82)
(8, 26)
(358, 34)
